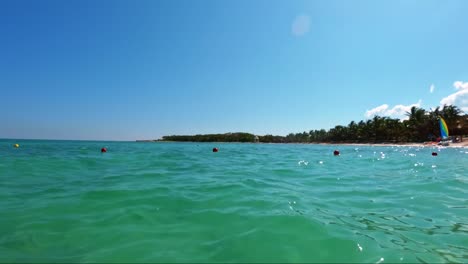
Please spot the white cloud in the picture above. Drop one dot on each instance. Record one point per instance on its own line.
(300, 25)
(398, 111)
(379, 110)
(459, 98)
(460, 85)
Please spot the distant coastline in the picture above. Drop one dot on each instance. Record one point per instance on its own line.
(206, 139)
(421, 128)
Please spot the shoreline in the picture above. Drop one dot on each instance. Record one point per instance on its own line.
(463, 144)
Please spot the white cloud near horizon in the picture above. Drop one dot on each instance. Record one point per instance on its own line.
(459, 98)
(300, 25)
(398, 111)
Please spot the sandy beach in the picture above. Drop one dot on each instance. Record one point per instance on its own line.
(462, 144)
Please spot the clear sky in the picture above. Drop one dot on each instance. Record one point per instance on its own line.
(126, 70)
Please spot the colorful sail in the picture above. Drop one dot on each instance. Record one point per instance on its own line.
(444, 132)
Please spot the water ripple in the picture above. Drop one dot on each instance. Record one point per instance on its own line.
(174, 202)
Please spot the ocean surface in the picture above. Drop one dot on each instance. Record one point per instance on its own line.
(65, 201)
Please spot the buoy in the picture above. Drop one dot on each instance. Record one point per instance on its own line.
(16, 145)
(103, 150)
(215, 149)
(336, 153)
(434, 154)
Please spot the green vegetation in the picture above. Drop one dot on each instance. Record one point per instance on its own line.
(421, 126)
(229, 137)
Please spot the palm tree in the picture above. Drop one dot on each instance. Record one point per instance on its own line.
(352, 131)
(451, 114)
(433, 123)
(417, 123)
(416, 115)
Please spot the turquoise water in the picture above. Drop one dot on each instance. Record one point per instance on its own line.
(64, 201)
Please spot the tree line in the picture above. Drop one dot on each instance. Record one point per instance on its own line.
(228, 137)
(420, 126)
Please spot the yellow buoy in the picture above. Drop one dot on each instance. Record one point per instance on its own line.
(16, 145)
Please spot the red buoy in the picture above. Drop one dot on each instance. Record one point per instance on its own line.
(103, 150)
(434, 154)
(336, 153)
(215, 149)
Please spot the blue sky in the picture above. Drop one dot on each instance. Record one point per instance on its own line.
(126, 70)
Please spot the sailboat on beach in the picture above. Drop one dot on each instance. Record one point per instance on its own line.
(444, 132)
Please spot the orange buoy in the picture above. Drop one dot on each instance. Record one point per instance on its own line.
(434, 154)
(215, 149)
(336, 153)
(103, 150)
